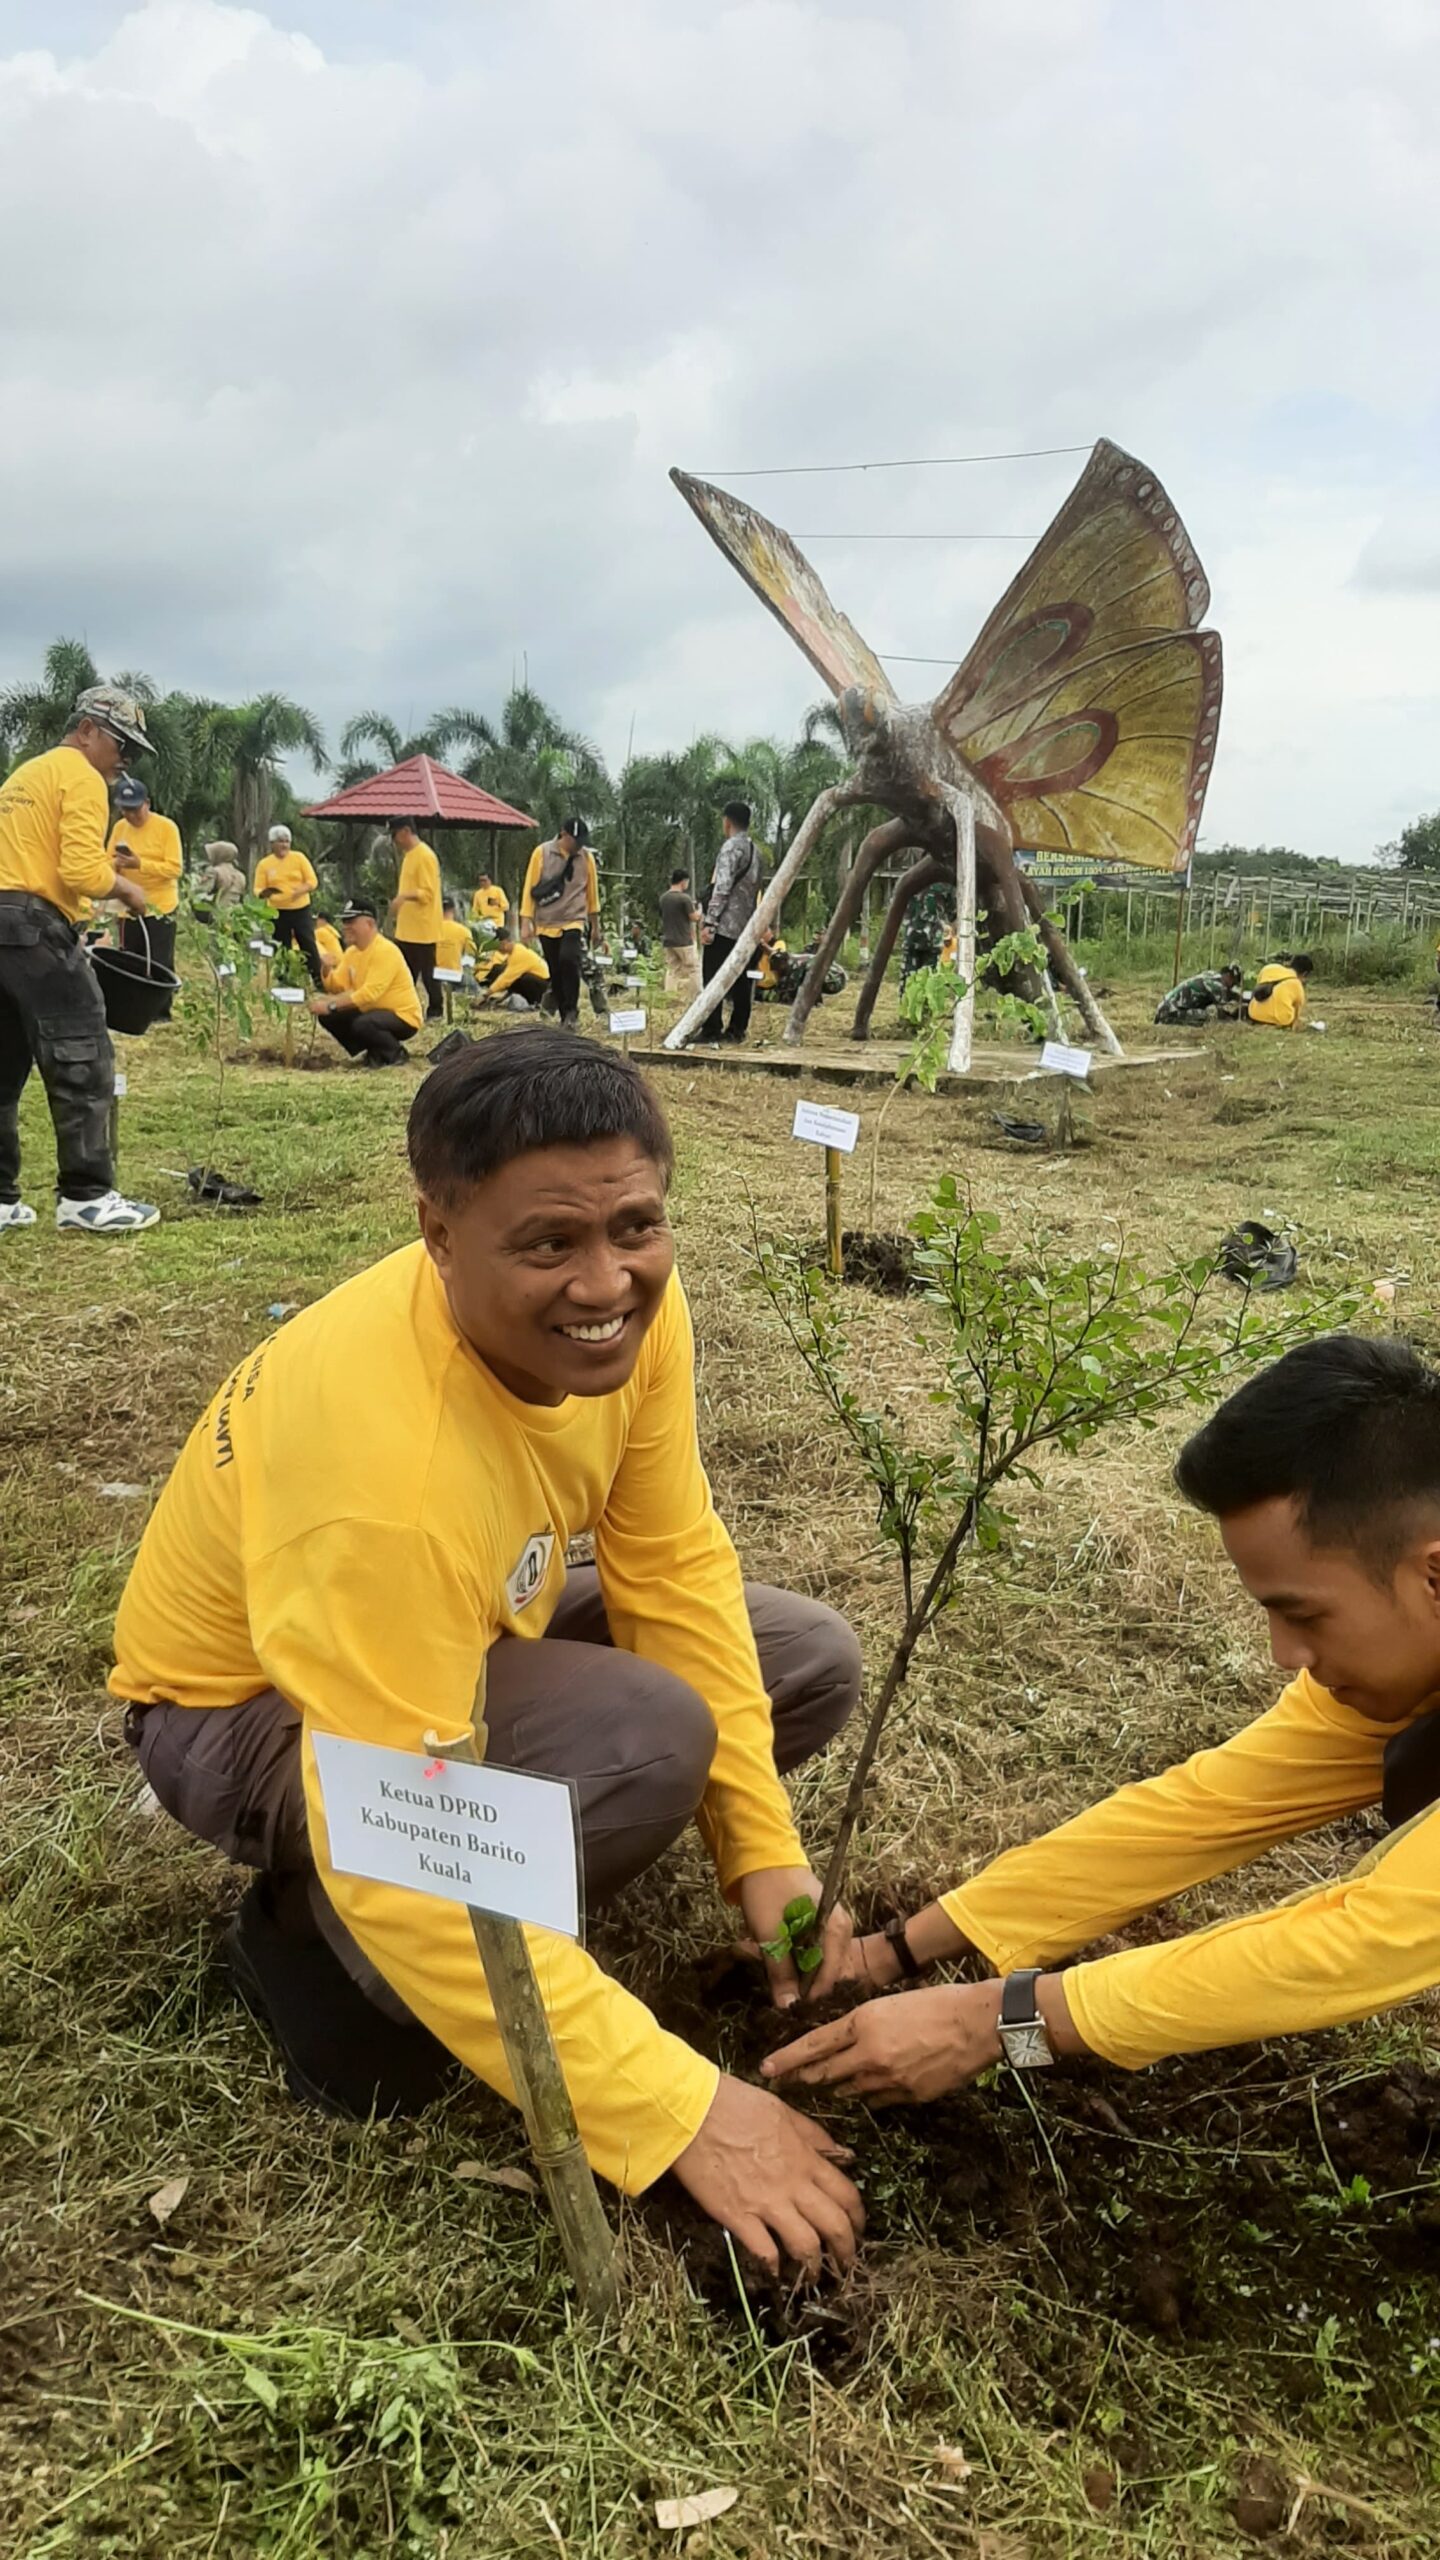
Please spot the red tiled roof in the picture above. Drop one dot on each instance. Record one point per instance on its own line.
(421, 788)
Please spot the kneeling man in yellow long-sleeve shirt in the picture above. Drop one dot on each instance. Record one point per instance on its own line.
(370, 1005)
(527, 1373)
(1324, 1476)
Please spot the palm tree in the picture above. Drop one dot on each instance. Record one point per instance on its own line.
(533, 760)
(253, 737)
(36, 716)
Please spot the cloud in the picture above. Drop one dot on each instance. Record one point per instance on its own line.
(350, 344)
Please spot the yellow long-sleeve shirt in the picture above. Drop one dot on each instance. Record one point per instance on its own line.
(159, 855)
(451, 944)
(419, 909)
(375, 978)
(285, 880)
(489, 905)
(504, 969)
(328, 944)
(1350, 1948)
(54, 813)
(370, 1596)
(1278, 997)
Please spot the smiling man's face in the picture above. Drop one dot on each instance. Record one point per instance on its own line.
(555, 1266)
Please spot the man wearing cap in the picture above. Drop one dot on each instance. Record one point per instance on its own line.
(222, 883)
(416, 910)
(560, 902)
(54, 818)
(370, 1005)
(284, 879)
(159, 864)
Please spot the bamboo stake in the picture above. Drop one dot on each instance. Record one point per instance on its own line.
(962, 1030)
(834, 1245)
(544, 2100)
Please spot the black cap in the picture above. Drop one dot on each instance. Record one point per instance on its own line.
(356, 907)
(577, 828)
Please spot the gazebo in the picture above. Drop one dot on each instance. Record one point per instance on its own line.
(428, 793)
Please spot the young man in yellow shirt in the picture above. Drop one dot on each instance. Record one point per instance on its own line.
(527, 1374)
(1323, 1475)
(417, 911)
(1277, 1000)
(370, 1004)
(513, 974)
(286, 880)
(560, 903)
(489, 905)
(54, 817)
(159, 856)
(454, 940)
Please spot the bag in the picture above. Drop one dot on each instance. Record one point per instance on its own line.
(546, 892)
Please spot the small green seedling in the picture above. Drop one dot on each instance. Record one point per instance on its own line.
(797, 1937)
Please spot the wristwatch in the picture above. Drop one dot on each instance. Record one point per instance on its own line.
(1023, 2034)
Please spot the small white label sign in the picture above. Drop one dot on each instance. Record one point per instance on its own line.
(225, 969)
(449, 977)
(627, 1021)
(287, 995)
(268, 948)
(632, 982)
(493, 1838)
(1057, 1058)
(826, 1128)
(122, 1087)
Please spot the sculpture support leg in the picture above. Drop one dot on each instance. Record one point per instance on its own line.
(880, 843)
(840, 796)
(1063, 967)
(921, 875)
(962, 1030)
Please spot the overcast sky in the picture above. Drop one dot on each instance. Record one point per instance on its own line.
(346, 344)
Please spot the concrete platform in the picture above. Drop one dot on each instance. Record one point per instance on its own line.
(879, 1062)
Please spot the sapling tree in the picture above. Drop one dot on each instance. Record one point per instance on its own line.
(927, 1007)
(1027, 1348)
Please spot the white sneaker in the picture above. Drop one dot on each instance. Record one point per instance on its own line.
(111, 1215)
(16, 1213)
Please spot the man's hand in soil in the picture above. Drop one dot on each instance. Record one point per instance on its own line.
(763, 1898)
(904, 2051)
(773, 2180)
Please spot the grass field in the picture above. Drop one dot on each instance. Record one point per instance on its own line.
(1180, 2313)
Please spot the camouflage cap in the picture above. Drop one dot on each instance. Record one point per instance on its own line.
(110, 707)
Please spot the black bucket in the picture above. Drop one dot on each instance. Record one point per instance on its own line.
(134, 988)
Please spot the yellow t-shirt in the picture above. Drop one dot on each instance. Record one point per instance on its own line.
(329, 945)
(285, 881)
(1278, 997)
(489, 906)
(158, 850)
(503, 969)
(533, 870)
(54, 814)
(377, 978)
(370, 1595)
(1362, 1943)
(451, 944)
(419, 913)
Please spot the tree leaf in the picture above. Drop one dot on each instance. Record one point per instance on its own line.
(519, 2181)
(677, 2515)
(167, 2199)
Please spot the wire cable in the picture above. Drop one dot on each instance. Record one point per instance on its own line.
(914, 462)
(914, 537)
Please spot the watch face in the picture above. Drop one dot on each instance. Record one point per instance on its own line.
(1027, 2048)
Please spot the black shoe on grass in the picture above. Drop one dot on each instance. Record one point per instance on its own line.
(340, 2052)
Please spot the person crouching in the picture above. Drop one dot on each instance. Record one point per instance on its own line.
(370, 1004)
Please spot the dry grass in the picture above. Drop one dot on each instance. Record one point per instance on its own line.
(339, 2347)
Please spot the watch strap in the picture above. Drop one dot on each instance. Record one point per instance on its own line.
(894, 1936)
(1018, 2007)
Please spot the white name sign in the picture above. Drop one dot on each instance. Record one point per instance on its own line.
(632, 982)
(493, 1838)
(826, 1128)
(225, 969)
(450, 977)
(267, 947)
(1059, 1059)
(627, 1021)
(287, 995)
(122, 1087)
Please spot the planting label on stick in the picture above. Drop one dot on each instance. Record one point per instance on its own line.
(268, 948)
(287, 995)
(494, 1839)
(632, 982)
(1057, 1058)
(627, 1021)
(122, 1087)
(826, 1128)
(449, 977)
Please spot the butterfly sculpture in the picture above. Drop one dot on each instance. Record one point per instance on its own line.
(1082, 723)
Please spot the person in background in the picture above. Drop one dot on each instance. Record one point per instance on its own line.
(560, 906)
(1209, 995)
(454, 939)
(734, 897)
(768, 958)
(1278, 996)
(221, 883)
(159, 859)
(327, 941)
(523, 1373)
(285, 880)
(512, 974)
(370, 1004)
(417, 911)
(679, 916)
(54, 820)
(1322, 1475)
(489, 905)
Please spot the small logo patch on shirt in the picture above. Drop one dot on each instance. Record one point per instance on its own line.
(529, 1574)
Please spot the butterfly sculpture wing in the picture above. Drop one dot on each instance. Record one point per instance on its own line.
(783, 579)
(1090, 703)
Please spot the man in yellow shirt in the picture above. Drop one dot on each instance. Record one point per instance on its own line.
(54, 818)
(560, 902)
(327, 942)
(417, 911)
(512, 974)
(1278, 998)
(285, 879)
(454, 940)
(370, 1005)
(1323, 1474)
(489, 906)
(159, 858)
(525, 1374)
